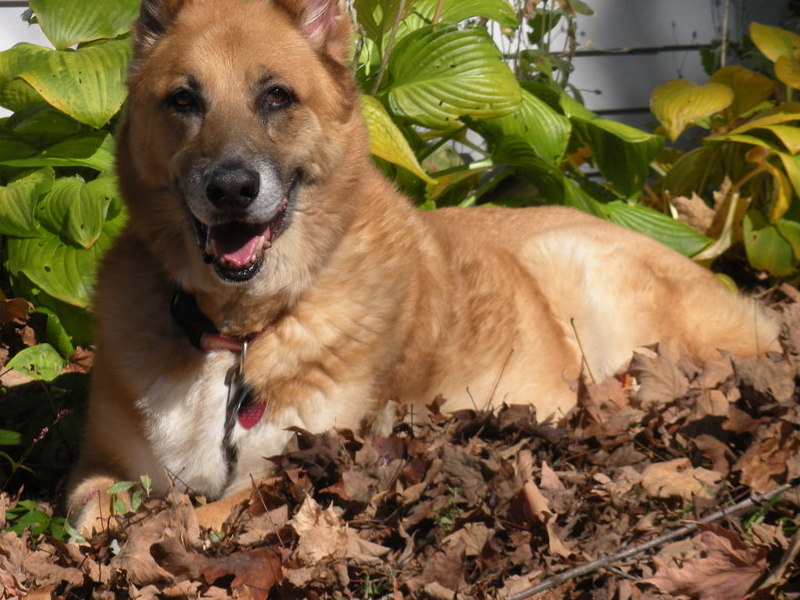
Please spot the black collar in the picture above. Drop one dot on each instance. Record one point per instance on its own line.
(200, 330)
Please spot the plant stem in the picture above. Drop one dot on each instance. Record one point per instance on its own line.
(478, 165)
(388, 50)
(437, 14)
(493, 182)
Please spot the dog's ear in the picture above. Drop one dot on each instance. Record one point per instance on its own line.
(155, 17)
(325, 25)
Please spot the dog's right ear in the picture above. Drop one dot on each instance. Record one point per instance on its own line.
(155, 18)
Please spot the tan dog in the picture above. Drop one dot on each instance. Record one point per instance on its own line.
(243, 160)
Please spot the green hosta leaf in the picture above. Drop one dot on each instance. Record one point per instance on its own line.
(11, 148)
(376, 17)
(57, 335)
(679, 103)
(441, 73)
(790, 230)
(576, 197)
(545, 130)
(70, 22)
(766, 248)
(774, 42)
(623, 154)
(88, 84)
(456, 11)
(697, 165)
(386, 140)
(658, 226)
(42, 126)
(18, 203)
(17, 95)
(94, 150)
(76, 210)
(78, 322)
(60, 270)
(749, 88)
(42, 362)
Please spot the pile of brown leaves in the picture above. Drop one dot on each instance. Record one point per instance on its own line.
(485, 505)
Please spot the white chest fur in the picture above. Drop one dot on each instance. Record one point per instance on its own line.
(184, 425)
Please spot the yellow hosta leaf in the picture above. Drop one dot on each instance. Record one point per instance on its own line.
(749, 88)
(787, 70)
(789, 135)
(791, 166)
(775, 42)
(780, 114)
(678, 103)
(386, 141)
(782, 188)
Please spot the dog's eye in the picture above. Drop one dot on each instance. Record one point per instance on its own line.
(184, 101)
(277, 98)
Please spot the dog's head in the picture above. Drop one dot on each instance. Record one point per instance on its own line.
(240, 114)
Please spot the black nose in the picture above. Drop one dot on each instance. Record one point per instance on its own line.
(232, 185)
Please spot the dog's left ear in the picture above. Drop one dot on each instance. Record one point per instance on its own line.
(325, 24)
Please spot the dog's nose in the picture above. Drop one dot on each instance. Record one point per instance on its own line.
(232, 185)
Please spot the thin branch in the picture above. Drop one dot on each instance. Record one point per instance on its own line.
(745, 506)
(388, 50)
(437, 14)
(726, 9)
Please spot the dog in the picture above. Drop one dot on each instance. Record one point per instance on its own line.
(270, 277)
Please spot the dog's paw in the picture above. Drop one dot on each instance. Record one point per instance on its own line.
(90, 507)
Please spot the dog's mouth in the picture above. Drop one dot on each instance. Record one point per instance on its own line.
(236, 248)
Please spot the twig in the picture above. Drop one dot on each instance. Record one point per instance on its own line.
(744, 506)
(266, 511)
(726, 9)
(388, 50)
(580, 347)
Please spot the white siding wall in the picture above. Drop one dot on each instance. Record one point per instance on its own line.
(614, 74)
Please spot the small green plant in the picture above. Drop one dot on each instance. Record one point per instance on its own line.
(26, 515)
(128, 496)
(446, 516)
(749, 155)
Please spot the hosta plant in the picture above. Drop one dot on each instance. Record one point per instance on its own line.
(59, 208)
(749, 156)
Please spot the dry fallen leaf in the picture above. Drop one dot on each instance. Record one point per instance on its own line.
(726, 572)
(678, 478)
(694, 212)
(772, 458)
(660, 380)
(321, 532)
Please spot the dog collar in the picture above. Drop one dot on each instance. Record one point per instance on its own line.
(200, 330)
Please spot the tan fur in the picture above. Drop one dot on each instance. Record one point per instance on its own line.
(362, 299)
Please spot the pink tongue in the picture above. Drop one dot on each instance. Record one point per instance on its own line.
(237, 244)
(238, 257)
